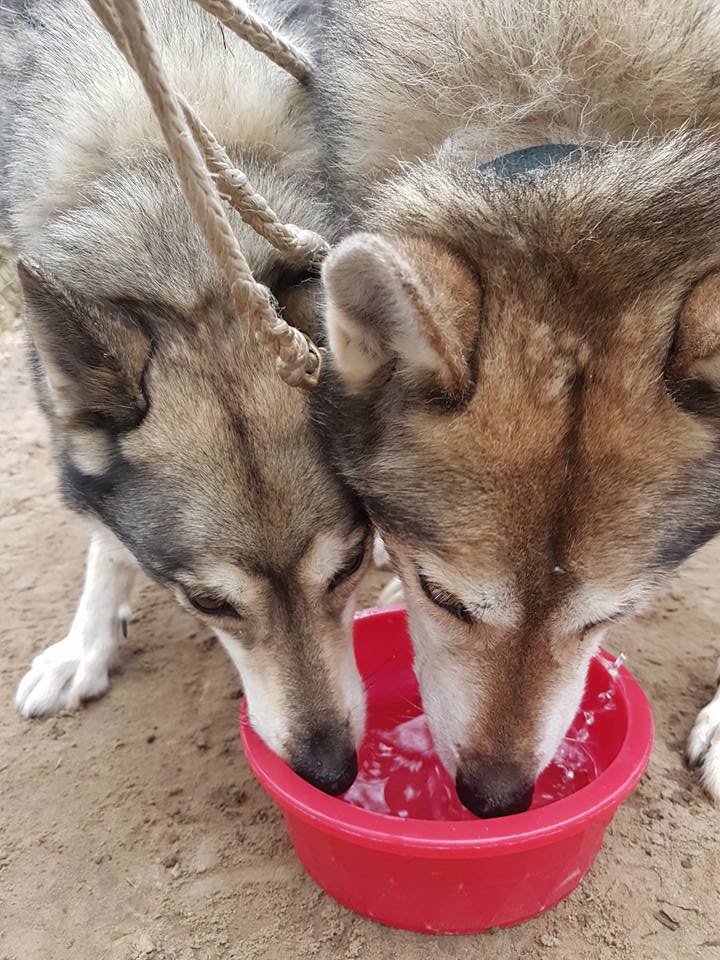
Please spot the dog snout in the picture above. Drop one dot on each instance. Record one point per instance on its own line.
(327, 760)
(494, 789)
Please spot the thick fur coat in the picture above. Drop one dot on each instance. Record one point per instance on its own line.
(527, 364)
(173, 431)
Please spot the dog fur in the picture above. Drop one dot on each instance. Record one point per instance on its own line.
(172, 430)
(526, 382)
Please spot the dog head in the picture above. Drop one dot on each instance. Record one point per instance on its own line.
(526, 397)
(172, 428)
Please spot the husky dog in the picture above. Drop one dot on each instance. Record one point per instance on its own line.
(172, 431)
(526, 338)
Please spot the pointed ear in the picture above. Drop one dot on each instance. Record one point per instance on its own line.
(94, 355)
(410, 304)
(697, 345)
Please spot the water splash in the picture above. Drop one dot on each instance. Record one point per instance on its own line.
(401, 775)
(619, 662)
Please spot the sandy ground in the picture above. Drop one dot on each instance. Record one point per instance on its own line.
(134, 829)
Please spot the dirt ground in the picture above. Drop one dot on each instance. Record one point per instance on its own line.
(134, 829)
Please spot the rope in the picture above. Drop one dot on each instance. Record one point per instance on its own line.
(297, 359)
(303, 245)
(260, 35)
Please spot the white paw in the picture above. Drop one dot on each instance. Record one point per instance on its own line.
(62, 677)
(704, 747)
(391, 594)
(381, 558)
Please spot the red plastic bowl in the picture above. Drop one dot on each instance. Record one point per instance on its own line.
(455, 876)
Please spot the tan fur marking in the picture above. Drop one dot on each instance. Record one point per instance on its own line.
(448, 303)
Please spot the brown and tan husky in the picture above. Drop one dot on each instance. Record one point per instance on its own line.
(525, 318)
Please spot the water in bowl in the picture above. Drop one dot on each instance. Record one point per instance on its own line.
(401, 775)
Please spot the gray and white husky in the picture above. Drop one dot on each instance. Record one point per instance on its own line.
(526, 381)
(172, 431)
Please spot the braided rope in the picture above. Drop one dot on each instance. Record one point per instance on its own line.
(297, 359)
(104, 10)
(303, 245)
(259, 35)
(307, 246)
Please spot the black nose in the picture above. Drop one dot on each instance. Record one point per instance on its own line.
(327, 760)
(494, 789)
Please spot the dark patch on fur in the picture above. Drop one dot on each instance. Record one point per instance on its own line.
(403, 516)
(353, 429)
(697, 397)
(139, 507)
(680, 543)
(89, 493)
(243, 431)
(531, 160)
(101, 349)
(692, 514)
(573, 461)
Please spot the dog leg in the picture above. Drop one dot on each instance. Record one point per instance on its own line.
(381, 558)
(76, 668)
(704, 743)
(391, 594)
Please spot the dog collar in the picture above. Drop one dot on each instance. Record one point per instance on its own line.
(530, 160)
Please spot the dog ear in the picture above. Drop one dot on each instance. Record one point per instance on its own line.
(410, 304)
(94, 355)
(696, 354)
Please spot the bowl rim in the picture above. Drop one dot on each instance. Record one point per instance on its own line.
(458, 838)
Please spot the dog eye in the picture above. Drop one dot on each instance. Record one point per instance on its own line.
(594, 624)
(348, 570)
(213, 606)
(447, 601)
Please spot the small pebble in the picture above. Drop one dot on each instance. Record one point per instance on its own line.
(151, 739)
(143, 947)
(549, 940)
